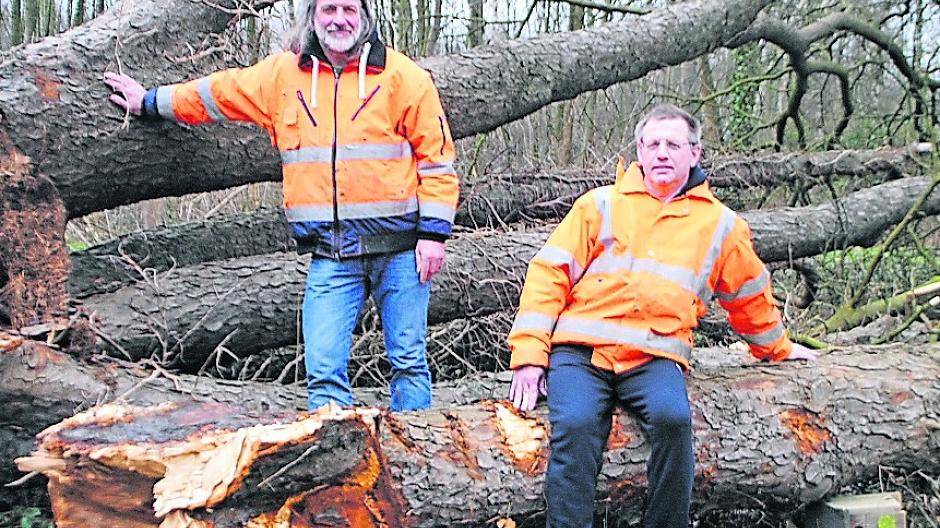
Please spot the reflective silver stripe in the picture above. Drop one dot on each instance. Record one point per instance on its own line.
(609, 263)
(684, 277)
(324, 213)
(695, 283)
(560, 257)
(436, 210)
(749, 288)
(533, 321)
(615, 333)
(204, 86)
(373, 151)
(165, 102)
(351, 152)
(722, 230)
(310, 213)
(429, 169)
(602, 198)
(765, 338)
(307, 155)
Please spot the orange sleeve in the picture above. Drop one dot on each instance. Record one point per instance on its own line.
(425, 126)
(237, 94)
(552, 273)
(744, 290)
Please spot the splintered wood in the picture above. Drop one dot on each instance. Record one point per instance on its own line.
(791, 433)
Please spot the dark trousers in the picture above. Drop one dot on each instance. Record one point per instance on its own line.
(581, 398)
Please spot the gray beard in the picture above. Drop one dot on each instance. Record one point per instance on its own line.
(355, 42)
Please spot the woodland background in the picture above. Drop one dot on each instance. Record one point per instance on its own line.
(820, 120)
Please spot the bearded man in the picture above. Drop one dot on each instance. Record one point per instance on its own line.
(370, 188)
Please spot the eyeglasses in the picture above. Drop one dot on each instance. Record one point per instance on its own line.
(671, 146)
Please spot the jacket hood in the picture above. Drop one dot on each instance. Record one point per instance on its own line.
(376, 58)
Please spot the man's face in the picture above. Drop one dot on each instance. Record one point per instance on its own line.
(665, 153)
(338, 24)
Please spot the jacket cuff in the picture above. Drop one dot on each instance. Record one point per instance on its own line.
(527, 350)
(148, 109)
(437, 237)
(778, 352)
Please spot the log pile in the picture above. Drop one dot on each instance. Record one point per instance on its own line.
(784, 434)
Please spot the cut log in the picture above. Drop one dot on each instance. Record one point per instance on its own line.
(489, 201)
(251, 303)
(52, 98)
(782, 435)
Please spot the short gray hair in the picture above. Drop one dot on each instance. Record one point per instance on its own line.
(668, 111)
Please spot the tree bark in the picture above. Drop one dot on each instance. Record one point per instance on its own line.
(52, 119)
(490, 201)
(52, 98)
(251, 304)
(781, 435)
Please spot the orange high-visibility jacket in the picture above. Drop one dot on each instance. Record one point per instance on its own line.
(368, 160)
(630, 276)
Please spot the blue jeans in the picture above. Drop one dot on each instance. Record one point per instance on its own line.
(581, 398)
(336, 291)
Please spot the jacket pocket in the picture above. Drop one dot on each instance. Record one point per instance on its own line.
(288, 130)
(667, 308)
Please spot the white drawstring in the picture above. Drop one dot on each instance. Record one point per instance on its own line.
(314, 73)
(363, 62)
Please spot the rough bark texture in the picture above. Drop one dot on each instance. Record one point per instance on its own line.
(54, 113)
(34, 261)
(53, 100)
(783, 435)
(109, 266)
(252, 303)
(490, 201)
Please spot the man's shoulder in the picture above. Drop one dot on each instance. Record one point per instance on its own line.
(597, 198)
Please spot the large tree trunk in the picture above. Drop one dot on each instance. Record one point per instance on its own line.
(55, 122)
(53, 99)
(40, 386)
(252, 303)
(782, 435)
(490, 201)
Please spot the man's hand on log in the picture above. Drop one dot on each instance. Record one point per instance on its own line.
(131, 92)
(527, 383)
(801, 352)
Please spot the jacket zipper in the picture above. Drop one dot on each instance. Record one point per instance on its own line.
(336, 230)
(440, 119)
(303, 102)
(366, 101)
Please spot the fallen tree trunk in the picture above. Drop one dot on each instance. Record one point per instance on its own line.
(251, 304)
(53, 99)
(491, 201)
(782, 435)
(41, 386)
(56, 122)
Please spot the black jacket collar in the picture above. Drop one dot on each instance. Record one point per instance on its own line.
(697, 176)
(376, 52)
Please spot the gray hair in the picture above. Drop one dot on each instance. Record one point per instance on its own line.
(668, 111)
(302, 35)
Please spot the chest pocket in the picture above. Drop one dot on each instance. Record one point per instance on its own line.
(288, 129)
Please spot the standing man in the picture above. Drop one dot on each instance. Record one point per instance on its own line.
(608, 309)
(369, 182)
